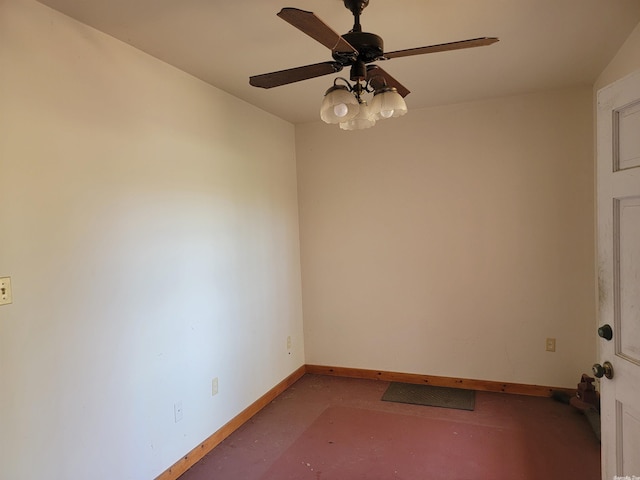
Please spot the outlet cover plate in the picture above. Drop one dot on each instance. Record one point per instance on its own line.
(551, 344)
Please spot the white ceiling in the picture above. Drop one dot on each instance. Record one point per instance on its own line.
(544, 44)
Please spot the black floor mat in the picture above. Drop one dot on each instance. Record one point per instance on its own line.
(430, 396)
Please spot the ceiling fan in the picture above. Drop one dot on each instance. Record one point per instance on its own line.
(356, 49)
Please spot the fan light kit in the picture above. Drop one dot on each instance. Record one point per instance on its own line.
(344, 102)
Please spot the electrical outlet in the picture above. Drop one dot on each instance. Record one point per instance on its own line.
(551, 345)
(5, 291)
(289, 342)
(177, 411)
(214, 386)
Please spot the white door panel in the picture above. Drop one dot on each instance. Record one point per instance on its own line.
(618, 178)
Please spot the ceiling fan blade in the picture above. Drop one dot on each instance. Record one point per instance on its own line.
(308, 23)
(443, 47)
(292, 75)
(374, 71)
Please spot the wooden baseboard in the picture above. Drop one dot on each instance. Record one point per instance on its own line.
(182, 465)
(186, 462)
(470, 384)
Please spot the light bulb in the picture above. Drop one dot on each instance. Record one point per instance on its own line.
(361, 121)
(338, 105)
(388, 103)
(340, 110)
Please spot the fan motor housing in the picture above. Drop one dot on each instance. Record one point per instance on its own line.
(370, 47)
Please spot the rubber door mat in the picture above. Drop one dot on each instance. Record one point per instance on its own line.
(430, 396)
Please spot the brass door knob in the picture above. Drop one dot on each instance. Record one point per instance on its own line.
(604, 370)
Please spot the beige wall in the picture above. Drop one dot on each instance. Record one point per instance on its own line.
(149, 223)
(453, 241)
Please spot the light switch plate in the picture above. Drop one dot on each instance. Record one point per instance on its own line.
(5, 291)
(214, 386)
(177, 411)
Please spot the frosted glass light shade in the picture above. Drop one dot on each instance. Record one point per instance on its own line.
(388, 103)
(339, 105)
(362, 120)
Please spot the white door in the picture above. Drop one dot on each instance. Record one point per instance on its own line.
(618, 206)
